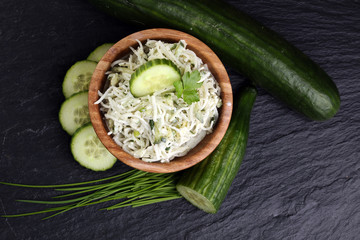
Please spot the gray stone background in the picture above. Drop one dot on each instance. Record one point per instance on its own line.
(300, 179)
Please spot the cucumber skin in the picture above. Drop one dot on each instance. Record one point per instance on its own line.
(213, 176)
(249, 47)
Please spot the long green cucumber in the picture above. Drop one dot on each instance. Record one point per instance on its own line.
(245, 44)
(206, 184)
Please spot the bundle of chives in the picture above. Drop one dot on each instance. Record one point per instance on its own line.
(133, 188)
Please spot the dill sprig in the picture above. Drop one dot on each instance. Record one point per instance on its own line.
(133, 188)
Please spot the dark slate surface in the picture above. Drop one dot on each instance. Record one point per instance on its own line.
(299, 180)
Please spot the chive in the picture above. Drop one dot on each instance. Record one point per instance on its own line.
(173, 46)
(136, 133)
(151, 122)
(133, 188)
(68, 185)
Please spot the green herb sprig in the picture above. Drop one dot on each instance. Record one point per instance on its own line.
(188, 87)
(133, 188)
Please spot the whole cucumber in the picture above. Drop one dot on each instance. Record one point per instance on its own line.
(245, 44)
(206, 184)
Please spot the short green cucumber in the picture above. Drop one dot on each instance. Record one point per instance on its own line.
(99, 52)
(77, 78)
(153, 76)
(245, 44)
(89, 152)
(206, 184)
(74, 112)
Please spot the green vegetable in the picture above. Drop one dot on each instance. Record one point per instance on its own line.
(136, 133)
(74, 112)
(133, 188)
(188, 87)
(153, 76)
(206, 184)
(245, 44)
(77, 78)
(89, 151)
(152, 124)
(99, 52)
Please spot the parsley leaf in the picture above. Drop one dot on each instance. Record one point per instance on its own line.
(190, 96)
(190, 80)
(179, 88)
(188, 87)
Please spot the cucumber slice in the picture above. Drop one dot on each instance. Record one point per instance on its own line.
(78, 77)
(74, 112)
(99, 52)
(152, 76)
(89, 151)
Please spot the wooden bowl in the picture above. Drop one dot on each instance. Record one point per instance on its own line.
(207, 145)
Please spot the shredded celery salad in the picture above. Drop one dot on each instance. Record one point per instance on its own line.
(160, 126)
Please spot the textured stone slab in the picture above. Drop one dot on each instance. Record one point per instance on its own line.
(299, 179)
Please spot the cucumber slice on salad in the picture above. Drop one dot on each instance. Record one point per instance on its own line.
(78, 77)
(89, 151)
(152, 76)
(74, 112)
(99, 52)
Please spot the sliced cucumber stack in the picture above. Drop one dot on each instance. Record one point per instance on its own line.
(152, 76)
(99, 52)
(74, 112)
(78, 77)
(89, 151)
(74, 115)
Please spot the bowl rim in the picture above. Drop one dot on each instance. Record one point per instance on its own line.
(207, 145)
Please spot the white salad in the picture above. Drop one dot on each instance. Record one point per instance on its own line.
(170, 121)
